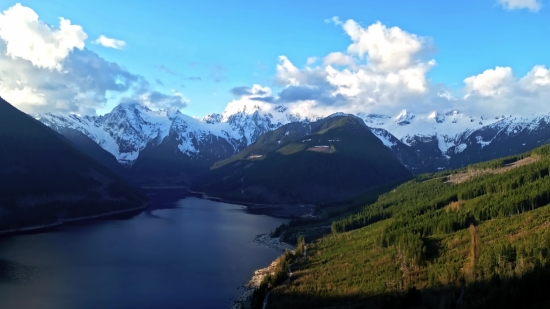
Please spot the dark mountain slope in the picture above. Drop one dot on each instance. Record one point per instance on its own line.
(164, 164)
(332, 159)
(45, 179)
(88, 146)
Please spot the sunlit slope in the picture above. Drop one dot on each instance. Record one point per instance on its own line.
(332, 159)
(435, 243)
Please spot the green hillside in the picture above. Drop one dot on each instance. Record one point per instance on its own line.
(44, 178)
(473, 238)
(332, 159)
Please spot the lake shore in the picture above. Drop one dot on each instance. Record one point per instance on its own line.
(264, 240)
(284, 211)
(47, 227)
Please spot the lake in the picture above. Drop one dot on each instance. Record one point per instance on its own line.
(179, 253)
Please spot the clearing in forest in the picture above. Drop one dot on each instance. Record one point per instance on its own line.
(462, 177)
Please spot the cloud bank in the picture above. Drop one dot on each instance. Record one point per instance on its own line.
(49, 69)
(384, 71)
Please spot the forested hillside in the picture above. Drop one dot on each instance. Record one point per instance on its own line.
(333, 159)
(44, 179)
(471, 238)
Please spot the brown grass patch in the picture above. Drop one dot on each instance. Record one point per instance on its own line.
(454, 206)
(463, 177)
(323, 149)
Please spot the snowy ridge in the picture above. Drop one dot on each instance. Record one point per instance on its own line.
(131, 127)
(384, 136)
(446, 127)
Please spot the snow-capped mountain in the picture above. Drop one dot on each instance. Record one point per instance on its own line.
(134, 133)
(129, 128)
(451, 139)
(154, 140)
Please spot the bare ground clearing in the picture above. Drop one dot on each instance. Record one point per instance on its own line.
(462, 177)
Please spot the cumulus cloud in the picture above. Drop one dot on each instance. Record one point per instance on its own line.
(491, 83)
(338, 58)
(384, 70)
(386, 48)
(110, 43)
(81, 86)
(46, 69)
(537, 78)
(499, 92)
(532, 5)
(26, 37)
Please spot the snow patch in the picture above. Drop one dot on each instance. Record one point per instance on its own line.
(384, 137)
(460, 148)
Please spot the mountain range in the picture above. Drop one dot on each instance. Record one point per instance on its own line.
(166, 145)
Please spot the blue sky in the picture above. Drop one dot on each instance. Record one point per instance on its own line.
(237, 43)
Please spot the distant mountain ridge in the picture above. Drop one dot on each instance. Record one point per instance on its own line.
(135, 134)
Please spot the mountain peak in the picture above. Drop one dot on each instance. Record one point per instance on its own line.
(213, 118)
(404, 118)
(130, 105)
(339, 114)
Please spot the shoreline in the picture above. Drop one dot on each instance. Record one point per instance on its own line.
(45, 227)
(283, 211)
(264, 240)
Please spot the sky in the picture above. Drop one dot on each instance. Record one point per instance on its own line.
(478, 56)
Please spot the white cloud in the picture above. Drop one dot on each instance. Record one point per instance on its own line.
(338, 58)
(387, 73)
(108, 42)
(28, 38)
(538, 77)
(491, 83)
(43, 69)
(384, 70)
(387, 48)
(532, 5)
(311, 60)
(499, 92)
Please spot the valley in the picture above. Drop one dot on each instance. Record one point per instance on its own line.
(274, 155)
(378, 231)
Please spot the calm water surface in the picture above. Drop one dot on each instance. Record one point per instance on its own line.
(181, 253)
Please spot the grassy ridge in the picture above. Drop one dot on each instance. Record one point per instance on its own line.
(484, 243)
(292, 169)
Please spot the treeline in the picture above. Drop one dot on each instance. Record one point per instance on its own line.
(483, 243)
(424, 206)
(497, 163)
